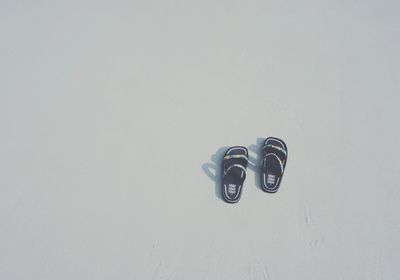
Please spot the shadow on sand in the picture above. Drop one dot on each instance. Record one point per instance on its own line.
(213, 169)
(255, 162)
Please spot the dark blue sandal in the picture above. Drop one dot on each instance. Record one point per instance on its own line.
(234, 166)
(273, 162)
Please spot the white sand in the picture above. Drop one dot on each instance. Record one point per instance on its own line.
(112, 111)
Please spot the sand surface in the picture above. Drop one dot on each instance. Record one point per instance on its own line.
(114, 115)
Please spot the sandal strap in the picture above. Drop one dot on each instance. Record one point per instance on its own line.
(281, 163)
(235, 165)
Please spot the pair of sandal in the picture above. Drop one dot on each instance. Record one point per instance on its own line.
(234, 164)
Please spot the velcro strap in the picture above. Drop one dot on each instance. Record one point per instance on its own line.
(276, 148)
(235, 156)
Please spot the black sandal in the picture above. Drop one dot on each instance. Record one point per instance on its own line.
(234, 166)
(273, 162)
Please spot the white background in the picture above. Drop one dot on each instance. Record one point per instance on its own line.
(113, 115)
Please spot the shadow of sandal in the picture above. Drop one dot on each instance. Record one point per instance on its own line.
(255, 162)
(213, 169)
